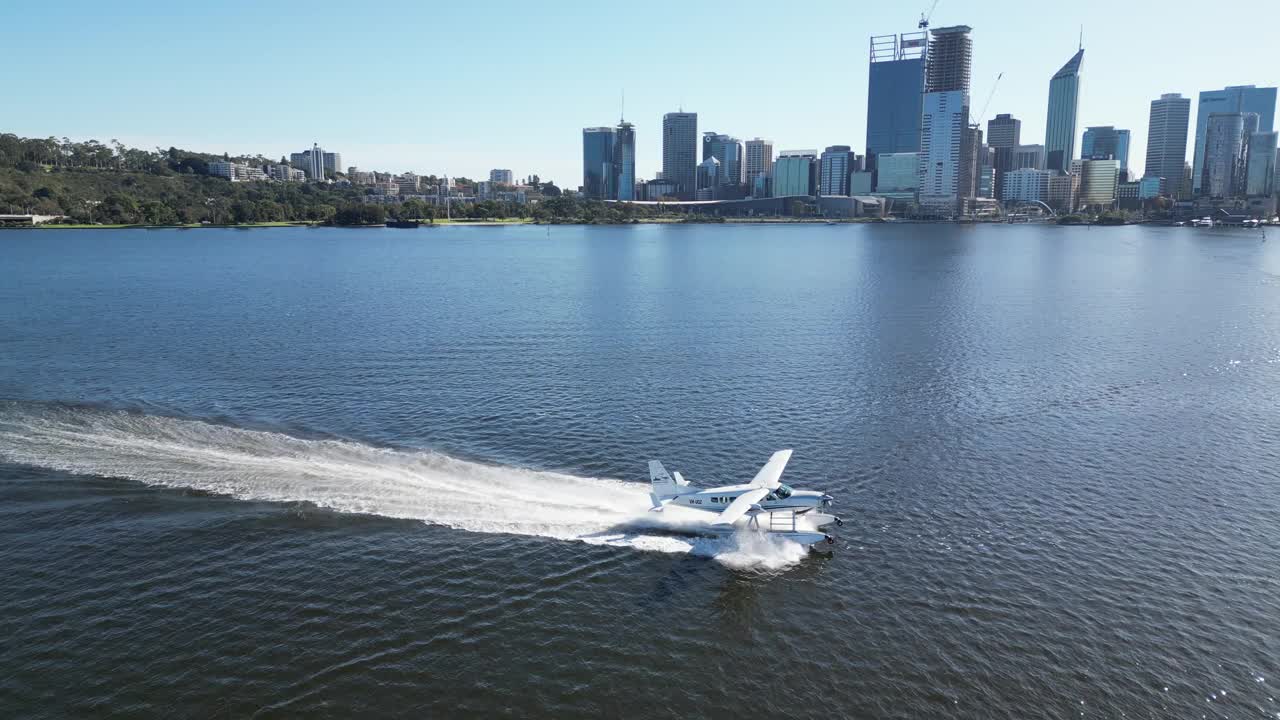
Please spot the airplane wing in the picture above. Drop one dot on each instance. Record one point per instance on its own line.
(740, 506)
(770, 475)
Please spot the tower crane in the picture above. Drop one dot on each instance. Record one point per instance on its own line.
(983, 115)
(924, 16)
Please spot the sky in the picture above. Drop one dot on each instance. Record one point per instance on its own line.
(463, 87)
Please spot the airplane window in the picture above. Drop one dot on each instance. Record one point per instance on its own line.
(783, 492)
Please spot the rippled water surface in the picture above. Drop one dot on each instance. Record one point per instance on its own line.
(339, 473)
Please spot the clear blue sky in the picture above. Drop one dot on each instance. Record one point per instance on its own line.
(465, 87)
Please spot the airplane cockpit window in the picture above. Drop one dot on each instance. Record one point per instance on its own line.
(783, 492)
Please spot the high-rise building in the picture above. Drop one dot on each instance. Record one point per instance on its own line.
(708, 179)
(835, 165)
(1028, 156)
(1060, 130)
(896, 172)
(728, 150)
(1167, 140)
(945, 157)
(332, 162)
(795, 173)
(1260, 166)
(1098, 180)
(1105, 142)
(597, 163)
(1026, 186)
(1004, 133)
(1234, 99)
(895, 85)
(680, 152)
(759, 161)
(313, 162)
(1225, 144)
(624, 161)
(501, 177)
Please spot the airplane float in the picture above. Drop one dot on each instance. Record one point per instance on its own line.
(767, 505)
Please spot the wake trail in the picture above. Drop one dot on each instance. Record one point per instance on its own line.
(350, 477)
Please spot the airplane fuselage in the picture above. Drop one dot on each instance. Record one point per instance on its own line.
(717, 499)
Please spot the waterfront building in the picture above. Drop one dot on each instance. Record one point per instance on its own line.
(762, 186)
(986, 182)
(1098, 180)
(661, 189)
(1152, 187)
(896, 172)
(501, 176)
(1167, 140)
(945, 158)
(895, 87)
(680, 151)
(1234, 99)
(1064, 99)
(407, 183)
(1106, 142)
(598, 175)
(835, 165)
(728, 150)
(1260, 165)
(1225, 145)
(1025, 186)
(624, 162)
(1062, 192)
(795, 173)
(759, 159)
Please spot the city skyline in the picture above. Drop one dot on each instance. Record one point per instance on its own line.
(459, 129)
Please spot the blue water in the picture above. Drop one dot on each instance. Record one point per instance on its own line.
(328, 473)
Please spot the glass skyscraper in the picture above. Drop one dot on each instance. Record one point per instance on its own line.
(1225, 141)
(624, 161)
(1060, 130)
(1261, 164)
(680, 152)
(945, 160)
(1234, 99)
(895, 85)
(728, 150)
(597, 163)
(1105, 142)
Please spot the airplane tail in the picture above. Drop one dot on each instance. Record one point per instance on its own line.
(661, 485)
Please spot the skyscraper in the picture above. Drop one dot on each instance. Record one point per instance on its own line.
(624, 161)
(728, 150)
(895, 85)
(1261, 165)
(945, 160)
(795, 173)
(1225, 144)
(835, 165)
(1167, 140)
(313, 162)
(680, 151)
(597, 163)
(708, 180)
(1105, 142)
(1233, 99)
(759, 160)
(1060, 130)
(1004, 133)
(1028, 157)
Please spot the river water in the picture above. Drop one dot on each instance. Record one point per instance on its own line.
(332, 473)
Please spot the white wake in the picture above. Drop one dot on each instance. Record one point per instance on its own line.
(355, 478)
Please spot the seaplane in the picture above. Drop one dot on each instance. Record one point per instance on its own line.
(763, 505)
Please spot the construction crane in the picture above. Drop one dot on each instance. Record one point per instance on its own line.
(924, 17)
(983, 115)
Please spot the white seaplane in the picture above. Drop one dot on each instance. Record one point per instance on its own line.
(766, 504)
